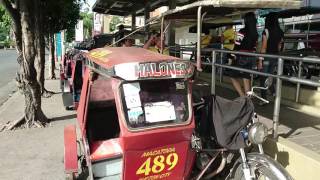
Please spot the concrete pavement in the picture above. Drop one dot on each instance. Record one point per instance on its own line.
(30, 154)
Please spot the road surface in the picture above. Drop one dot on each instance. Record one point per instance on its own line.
(8, 69)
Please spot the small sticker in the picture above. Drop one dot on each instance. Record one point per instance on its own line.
(133, 101)
(134, 115)
(100, 53)
(180, 85)
(131, 89)
(159, 111)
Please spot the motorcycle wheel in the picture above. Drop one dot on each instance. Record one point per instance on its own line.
(264, 168)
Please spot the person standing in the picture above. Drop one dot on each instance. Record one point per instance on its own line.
(246, 40)
(154, 44)
(119, 35)
(272, 43)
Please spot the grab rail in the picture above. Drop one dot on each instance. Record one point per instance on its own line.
(279, 76)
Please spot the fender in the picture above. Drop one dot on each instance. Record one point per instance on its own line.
(268, 162)
(70, 150)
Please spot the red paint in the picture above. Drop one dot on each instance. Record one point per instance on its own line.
(121, 55)
(70, 149)
(136, 147)
(81, 111)
(137, 158)
(105, 149)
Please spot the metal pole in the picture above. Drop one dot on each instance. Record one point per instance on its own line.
(199, 30)
(221, 62)
(133, 21)
(136, 30)
(213, 73)
(276, 111)
(298, 84)
(162, 35)
(308, 33)
(146, 17)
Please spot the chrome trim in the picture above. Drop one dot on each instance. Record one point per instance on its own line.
(266, 161)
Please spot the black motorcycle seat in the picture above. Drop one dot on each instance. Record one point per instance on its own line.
(229, 117)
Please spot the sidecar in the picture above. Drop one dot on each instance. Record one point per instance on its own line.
(71, 77)
(135, 117)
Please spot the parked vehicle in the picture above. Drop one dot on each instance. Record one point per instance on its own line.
(71, 72)
(136, 121)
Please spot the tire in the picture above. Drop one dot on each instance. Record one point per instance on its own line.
(265, 168)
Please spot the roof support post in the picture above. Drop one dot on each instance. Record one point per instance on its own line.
(146, 17)
(162, 34)
(171, 30)
(199, 30)
(133, 21)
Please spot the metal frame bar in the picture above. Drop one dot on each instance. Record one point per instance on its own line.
(279, 76)
(199, 29)
(290, 58)
(276, 110)
(298, 84)
(162, 34)
(213, 73)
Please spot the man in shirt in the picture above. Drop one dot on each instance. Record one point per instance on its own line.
(228, 37)
(154, 44)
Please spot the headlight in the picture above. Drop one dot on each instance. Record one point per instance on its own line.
(258, 133)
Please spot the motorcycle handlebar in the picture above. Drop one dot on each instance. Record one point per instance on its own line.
(252, 93)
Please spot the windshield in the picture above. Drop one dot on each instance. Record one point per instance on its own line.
(155, 102)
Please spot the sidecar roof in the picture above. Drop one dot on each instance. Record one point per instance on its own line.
(110, 56)
(130, 63)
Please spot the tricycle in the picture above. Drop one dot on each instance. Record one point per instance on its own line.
(71, 73)
(138, 120)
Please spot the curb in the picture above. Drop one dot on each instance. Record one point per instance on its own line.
(12, 110)
(299, 161)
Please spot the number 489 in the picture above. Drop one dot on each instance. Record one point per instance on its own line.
(159, 163)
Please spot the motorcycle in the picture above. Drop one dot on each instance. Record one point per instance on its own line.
(227, 130)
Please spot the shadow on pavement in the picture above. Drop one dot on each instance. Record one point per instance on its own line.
(67, 117)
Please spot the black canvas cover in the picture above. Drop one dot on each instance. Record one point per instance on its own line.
(229, 117)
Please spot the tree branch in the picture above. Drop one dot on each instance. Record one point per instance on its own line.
(14, 13)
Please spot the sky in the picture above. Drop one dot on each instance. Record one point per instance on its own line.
(89, 5)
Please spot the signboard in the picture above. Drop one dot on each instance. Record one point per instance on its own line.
(165, 69)
(79, 31)
(97, 23)
(140, 71)
(58, 45)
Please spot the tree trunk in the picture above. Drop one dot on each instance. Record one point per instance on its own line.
(40, 61)
(24, 18)
(31, 87)
(51, 56)
(40, 58)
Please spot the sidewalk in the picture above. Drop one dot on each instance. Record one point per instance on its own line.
(35, 153)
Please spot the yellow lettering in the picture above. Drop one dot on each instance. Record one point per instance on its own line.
(144, 168)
